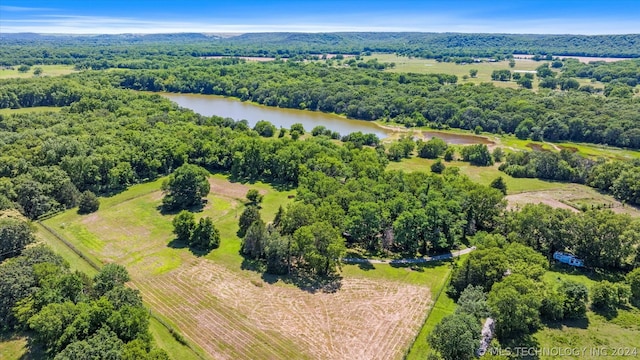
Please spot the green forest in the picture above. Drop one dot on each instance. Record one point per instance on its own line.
(103, 131)
(19, 48)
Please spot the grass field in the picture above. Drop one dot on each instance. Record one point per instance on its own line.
(592, 151)
(235, 313)
(443, 306)
(13, 347)
(160, 333)
(47, 70)
(28, 110)
(431, 66)
(522, 191)
(622, 331)
(480, 174)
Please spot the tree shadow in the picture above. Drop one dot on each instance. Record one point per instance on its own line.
(34, 350)
(303, 280)
(308, 282)
(194, 209)
(363, 264)
(593, 274)
(366, 265)
(578, 323)
(419, 266)
(524, 342)
(177, 244)
(277, 185)
(253, 265)
(609, 314)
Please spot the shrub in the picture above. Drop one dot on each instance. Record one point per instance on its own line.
(88, 203)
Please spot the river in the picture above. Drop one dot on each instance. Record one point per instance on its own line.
(209, 105)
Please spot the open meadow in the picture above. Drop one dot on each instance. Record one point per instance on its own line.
(29, 110)
(47, 70)
(431, 66)
(521, 191)
(620, 331)
(230, 311)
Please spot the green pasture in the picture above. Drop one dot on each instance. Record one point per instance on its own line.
(47, 70)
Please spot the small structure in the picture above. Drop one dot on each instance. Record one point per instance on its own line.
(568, 259)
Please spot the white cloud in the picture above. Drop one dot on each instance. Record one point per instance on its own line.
(116, 25)
(23, 8)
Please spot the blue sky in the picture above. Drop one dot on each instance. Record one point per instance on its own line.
(494, 16)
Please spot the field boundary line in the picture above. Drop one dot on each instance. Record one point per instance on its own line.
(444, 286)
(94, 265)
(70, 246)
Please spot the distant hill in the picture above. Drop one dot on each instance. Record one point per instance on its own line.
(450, 44)
(72, 49)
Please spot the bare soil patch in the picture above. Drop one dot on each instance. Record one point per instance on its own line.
(222, 187)
(517, 201)
(230, 317)
(574, 198)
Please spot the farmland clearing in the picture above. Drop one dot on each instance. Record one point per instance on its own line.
(47, 70)
(235, 313)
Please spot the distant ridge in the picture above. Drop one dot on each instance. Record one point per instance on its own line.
(418, 44)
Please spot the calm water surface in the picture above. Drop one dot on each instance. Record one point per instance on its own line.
(209, 105)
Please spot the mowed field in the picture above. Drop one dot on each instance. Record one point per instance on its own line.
(47, 70)
(431, 66)
(372, 312)
(521, 191)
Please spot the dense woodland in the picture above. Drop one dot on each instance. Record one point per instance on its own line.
(42, 49)
(411, 99)
(626, 72)
(107, 137)
(68, 314)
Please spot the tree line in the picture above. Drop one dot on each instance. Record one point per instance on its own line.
(34, 49)
(433, 100)
(68, 313)
(619, 178)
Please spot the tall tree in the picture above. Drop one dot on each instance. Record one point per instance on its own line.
(88, 203)
(456, 337)
(515, 304)
(185, 188)
(254, 240)
(183, 225)
(319, 247)
(15, 235)
(205, 235)
(250, 215)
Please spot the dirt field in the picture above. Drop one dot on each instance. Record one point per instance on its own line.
(222, 187)
(573, 197)
(550, 198)
(233, 316)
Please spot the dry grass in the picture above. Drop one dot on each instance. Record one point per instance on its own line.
(517, 201)
(230, 317)
(222, 187)
(572, 197)
(233, 313)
